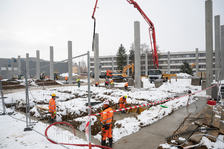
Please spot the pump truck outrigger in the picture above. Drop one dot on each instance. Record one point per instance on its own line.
(152, 34)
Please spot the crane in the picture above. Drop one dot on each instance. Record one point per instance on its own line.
(152, 34)
(94, 28)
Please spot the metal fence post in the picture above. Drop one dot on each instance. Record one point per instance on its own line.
(3, 102)
(27, 105)
(89, 111)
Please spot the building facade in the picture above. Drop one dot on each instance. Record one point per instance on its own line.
(174, 60)
(9, 67)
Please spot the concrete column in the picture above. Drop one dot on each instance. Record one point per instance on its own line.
(27, 66)
(96, 58)
(209, 44)
(168, 61)
(222, 52)
(51, 62)
(79, 69)
(8, 74)
(19, 65)
(146, 63)
(197, 61)
(12, 68)
(217, 47)
(70, 62)
(37, 64)
(137, 54)
(112, 64)
(128, 72)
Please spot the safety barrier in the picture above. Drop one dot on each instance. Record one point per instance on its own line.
(118, 110)
(152, 104)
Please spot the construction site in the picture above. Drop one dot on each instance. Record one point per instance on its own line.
(88, 100)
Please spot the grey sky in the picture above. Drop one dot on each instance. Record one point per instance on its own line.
(28, 25)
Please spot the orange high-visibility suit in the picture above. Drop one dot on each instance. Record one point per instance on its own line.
(106, 121)
(66, 78)
(52, 108)
(126, 86)
(122, 102)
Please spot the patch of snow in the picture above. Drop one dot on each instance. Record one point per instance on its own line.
(219, 144)
(13, 135)
(66, 74)
(183, 75)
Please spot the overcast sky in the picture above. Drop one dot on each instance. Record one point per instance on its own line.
(30, 25)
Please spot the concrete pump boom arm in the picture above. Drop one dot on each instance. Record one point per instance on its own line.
(151, 29)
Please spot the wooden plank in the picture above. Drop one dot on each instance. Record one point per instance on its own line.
(221, 124)
(214, 133)
(216, 122)
(196, 138)
(207, 116)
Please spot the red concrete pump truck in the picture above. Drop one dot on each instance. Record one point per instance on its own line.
(152, 34)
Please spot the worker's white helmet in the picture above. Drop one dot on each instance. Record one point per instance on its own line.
(106, 102)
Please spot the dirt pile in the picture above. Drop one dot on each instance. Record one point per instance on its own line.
(11, 84)
(46, 82)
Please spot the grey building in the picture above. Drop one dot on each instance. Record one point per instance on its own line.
(176, 60)
(6, 66)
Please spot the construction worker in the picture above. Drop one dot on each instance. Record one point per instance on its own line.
(52, 107)
(66, 79)
(106, 82)
(112, 83)
(96, 84)
(123, 102)
(78, 82)
(106, 122)
(126, 86)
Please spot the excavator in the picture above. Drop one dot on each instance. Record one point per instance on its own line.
(152, 34)
(118, 77)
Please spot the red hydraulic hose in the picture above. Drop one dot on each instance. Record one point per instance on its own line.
(68, 124)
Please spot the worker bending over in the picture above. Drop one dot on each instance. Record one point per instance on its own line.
(123, 102)
(52, 108)
(126, 86)
(96, 84)
(106, 122)
(106, 82)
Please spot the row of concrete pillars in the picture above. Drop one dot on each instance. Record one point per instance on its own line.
(219, 46)
(51, 64)
(137, 56)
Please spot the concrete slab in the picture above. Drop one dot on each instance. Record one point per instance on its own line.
(155, 134)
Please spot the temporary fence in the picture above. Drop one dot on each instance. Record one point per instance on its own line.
(153, 103)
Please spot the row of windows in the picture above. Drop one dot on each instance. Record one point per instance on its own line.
(9, 68)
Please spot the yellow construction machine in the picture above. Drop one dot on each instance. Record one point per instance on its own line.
(124, 74)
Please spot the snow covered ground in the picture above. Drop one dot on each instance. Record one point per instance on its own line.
(71, 104)
(219, 144)
(13, 135)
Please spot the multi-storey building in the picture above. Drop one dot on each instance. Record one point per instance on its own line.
(175, 61)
